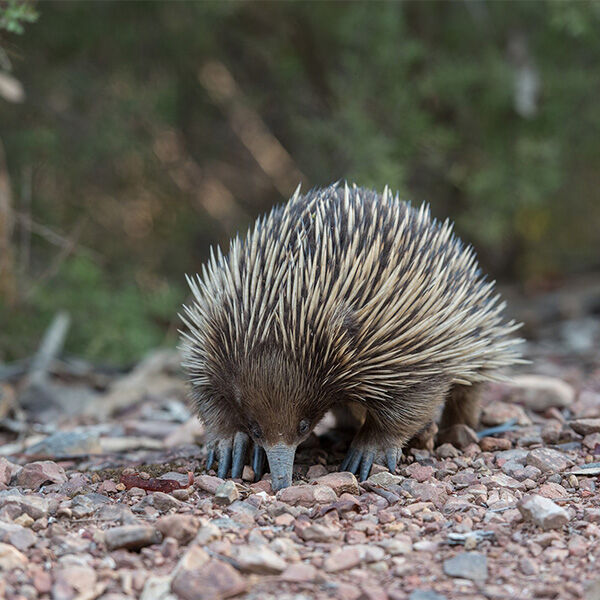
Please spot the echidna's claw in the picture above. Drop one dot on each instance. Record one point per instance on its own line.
(391, 458)
(352, 460)
(366, 464)
(224, 456)
(240, 447)
(359, 459)
(258, 462)
(210, 457)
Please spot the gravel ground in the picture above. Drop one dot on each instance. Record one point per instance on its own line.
(514, 514)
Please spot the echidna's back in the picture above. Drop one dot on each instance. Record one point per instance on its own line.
(420, 304)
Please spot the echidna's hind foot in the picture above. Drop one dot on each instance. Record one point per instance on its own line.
(231, 453)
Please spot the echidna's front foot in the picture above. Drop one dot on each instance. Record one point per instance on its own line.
(231, 452)
(360, 458)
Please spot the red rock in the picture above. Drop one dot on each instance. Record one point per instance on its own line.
(299, 572)
(33, 475)
(343, 560)
(307, 495)
(552, 490)
(419, 472)
(340, 482)
(263, 485)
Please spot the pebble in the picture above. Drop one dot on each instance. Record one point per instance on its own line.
(315, 532)
(213, 579)
(79, 578)
(208, 533)
(34, 475)
(498, 413)
(459, 436)
(591, 441)
(181, 527)
(11, 558)
(385, 479)
(426, 595)
(552, 490)
(66, 443)
(156, 588)
(208, 483)
(468, 565)
(342, 560)
(258, 559)
(131, 537)
(548, 460)
(585, 426)
(316, 471)
(543, 512)
(6, 470)
(299, 573)
(34, 505)
(340, 482)
(492, 444)
(226, 493)
(540, 392)
(397, 546)
(447, 451)
(307, 495)
(20, 537)
(419, 472)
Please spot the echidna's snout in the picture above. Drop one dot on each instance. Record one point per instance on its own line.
(281, 464)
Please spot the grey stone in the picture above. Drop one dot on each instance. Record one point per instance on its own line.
(468, 565)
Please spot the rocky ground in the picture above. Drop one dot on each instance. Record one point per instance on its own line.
(103, 492)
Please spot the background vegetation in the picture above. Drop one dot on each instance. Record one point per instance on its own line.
(137, 134)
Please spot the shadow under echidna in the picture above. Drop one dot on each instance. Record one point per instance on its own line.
(340, 296)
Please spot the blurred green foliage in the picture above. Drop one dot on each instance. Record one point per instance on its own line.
(13, 13)
(487, 110)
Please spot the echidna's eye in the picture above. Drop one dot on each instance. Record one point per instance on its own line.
(255, 431)
(304, 427)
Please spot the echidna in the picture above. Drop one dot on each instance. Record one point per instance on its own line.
(342, 295)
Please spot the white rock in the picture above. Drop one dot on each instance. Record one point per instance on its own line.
(543, 512)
